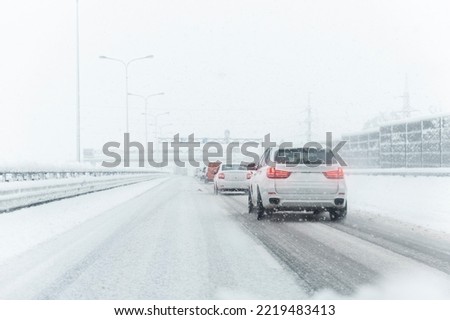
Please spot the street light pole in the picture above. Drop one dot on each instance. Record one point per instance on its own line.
(145, 98)
(126, 101)
(126, 64)
(156, 128)
(78, 146)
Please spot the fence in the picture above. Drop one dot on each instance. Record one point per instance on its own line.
(414, 143)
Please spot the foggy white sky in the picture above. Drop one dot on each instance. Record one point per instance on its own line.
(241, 65)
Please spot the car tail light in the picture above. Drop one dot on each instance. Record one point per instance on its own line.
(273, 173)
(335, 174)
(221, 175)
(249, 175)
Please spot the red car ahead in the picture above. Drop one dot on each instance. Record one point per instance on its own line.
(211, 171)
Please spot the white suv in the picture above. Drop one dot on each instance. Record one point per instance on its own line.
(297, 179)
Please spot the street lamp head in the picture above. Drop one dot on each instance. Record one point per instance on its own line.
(149, 56)
(103, 57)
(134, 94)
(161, 114)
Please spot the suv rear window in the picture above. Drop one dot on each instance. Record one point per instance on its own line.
(294, 156)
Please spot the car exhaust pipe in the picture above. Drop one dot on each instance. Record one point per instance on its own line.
(275, 201)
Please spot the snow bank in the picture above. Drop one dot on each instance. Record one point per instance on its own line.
(38, 224)
(426, 285)
(424, 201)
(25, 193)
(400, 171)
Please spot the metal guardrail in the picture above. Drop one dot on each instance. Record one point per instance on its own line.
(24, 194)
(32, 175)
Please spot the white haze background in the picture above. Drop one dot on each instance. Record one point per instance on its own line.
(246, 66)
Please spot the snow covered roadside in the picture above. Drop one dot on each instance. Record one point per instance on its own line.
(25, 228)
(423, 201)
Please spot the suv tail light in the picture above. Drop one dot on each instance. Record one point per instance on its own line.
(221, 175)
(273, 173)
(335, 174)
(249, 175)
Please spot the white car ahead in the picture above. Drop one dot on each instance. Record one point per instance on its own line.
(231, 177)
(297, 179)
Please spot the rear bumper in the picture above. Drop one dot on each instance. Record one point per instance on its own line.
(223, 185)
(294, 202)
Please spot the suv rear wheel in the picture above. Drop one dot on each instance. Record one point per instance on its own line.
(337, 214)
(250, 203)
(259, 207)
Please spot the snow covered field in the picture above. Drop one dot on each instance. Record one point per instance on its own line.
(423, 201)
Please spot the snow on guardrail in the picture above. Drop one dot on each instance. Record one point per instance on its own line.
(430, 172)
(20, 189)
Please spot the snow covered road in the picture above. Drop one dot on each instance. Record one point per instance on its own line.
(177, 240)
